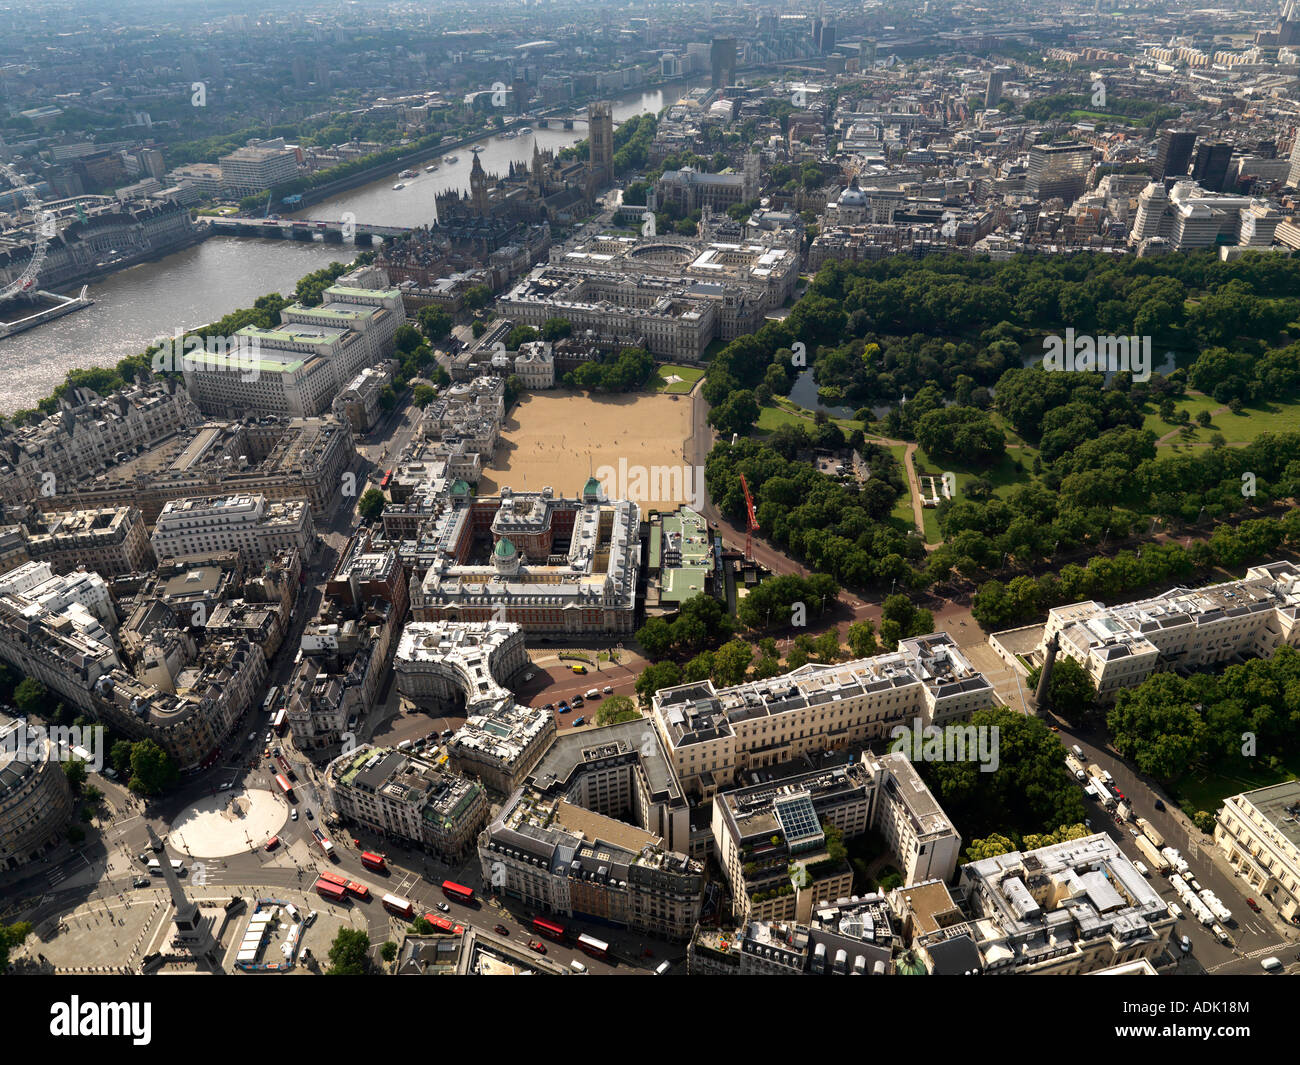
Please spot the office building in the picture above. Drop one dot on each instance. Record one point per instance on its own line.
(1065, 909)
(1210, 169)
(1259, 833)
(552, 854)
(257, 167)
(408, 797)
(1058, 170)
(551, 564)
(36, 801)
(722, 62)
(200, 525)
(713, 734)
(1174, 155)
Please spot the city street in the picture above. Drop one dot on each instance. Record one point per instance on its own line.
(1252, 936)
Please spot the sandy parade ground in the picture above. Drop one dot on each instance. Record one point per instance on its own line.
(632, 443)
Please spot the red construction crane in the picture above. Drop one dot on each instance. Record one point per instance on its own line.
(752, 526)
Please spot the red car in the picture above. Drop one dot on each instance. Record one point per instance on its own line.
(538, 946)
(1253, 905)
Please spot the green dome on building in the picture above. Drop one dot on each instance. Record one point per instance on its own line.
(504, 549)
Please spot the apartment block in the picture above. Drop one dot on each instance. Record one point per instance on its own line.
(1120, 646)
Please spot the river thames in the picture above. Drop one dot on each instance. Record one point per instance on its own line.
(202, 283)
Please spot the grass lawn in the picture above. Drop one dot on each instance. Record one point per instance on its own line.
(770, 418)
(1204, 790)
(688, 374)
(1006, 475)
(1235, 428)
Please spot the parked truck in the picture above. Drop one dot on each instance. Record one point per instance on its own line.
(1150, 831)
(1103, 794)
(1075, 766)
(1151, 854)
(1097, 773)
(1124, 811)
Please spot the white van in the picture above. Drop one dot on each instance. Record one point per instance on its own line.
(1271, 965)
(594, 693)
(1141, 868)
(577, 966)
(1078, 751)
(405, 745)
(1175, 911)
(662, 968)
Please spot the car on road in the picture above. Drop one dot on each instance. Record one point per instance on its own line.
(1253, 905)
(1160, 804)
(447, 734)
(608, 690)
(579, 721)
(293, 815)
(1271, 965)
(1219, 933)
(444, 908)
(141, 881)
(1175, 911)
(549, 706)
(538, 946)
(310, 816)
(1186, 944)
(501, 930)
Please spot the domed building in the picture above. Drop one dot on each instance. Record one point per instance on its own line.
(852, 206)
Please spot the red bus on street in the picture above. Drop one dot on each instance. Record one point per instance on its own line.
(443, 924)
(285, 786)
(597, 948)
(459, 892)
(277, 723)
(549, 929)
(334, 878)
(373, 861)
(359, 890)
(333, 892)
(394, 904)
(387, 477)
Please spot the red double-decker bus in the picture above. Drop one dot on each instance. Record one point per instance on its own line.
(334, 878)
(443, 924)
(359, 890)
(549, 929)
(373, 861)
(459, 892)
(330, 891)
(285, 786)
(596, 948)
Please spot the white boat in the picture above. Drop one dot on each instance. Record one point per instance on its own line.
(399, 185)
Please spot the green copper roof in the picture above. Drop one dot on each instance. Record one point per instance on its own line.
(504, 549)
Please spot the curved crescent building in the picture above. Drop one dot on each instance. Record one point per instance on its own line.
(35, 799)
